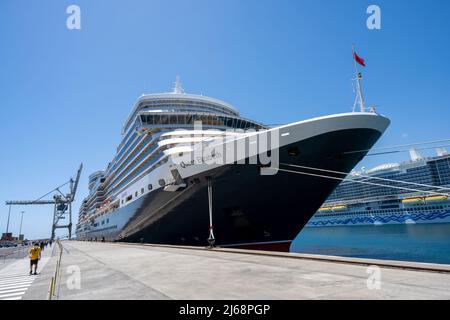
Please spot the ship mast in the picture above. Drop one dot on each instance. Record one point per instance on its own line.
(359, 97)
(178, 89)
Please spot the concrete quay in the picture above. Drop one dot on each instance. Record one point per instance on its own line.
(95, 270)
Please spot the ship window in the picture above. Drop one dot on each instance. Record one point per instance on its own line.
(107, 220)
(150, 187)
(142, 190)
(162, 182)
(136, 194)
(293, 152)
(209, 120)
(129, 198)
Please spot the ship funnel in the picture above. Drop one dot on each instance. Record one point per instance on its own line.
(415, 156)
(441, 152)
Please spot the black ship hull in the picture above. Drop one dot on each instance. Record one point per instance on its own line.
(250, 210)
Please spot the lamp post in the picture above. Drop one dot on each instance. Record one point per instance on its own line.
(9, 215)
(21, 219)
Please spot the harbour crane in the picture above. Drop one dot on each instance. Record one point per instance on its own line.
(62, 204)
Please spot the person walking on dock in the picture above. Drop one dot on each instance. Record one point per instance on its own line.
(34, 255)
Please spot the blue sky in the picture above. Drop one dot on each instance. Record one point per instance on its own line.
(64, 94)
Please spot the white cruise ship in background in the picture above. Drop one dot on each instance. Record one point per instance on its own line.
(356, 203)
(157, 189)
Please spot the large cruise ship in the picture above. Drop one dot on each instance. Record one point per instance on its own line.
(189, 168)
(415, 191)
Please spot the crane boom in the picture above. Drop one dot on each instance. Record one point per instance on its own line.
(77, 179)
(25, 202)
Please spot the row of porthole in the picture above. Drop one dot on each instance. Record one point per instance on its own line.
(161, 182)
(102, 223)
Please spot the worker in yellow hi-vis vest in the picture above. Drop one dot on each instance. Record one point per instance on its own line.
(35, 256)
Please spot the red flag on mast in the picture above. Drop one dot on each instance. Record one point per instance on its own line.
(358, 59)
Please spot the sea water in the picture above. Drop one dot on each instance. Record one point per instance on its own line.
(407, 242)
